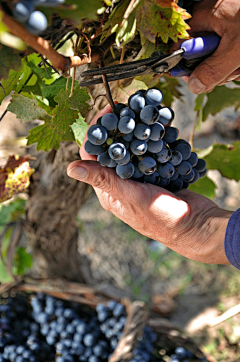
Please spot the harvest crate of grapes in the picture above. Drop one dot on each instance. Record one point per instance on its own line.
(61, 321)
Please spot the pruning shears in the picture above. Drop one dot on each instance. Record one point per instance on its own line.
(179, 63)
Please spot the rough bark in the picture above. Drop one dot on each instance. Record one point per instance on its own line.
(54, 200)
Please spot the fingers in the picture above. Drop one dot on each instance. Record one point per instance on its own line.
(106, 180)
(84, 155)
(215, 69)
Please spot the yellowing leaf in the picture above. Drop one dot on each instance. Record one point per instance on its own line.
(165, 22)
(14, 177)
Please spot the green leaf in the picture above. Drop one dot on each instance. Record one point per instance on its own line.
(9, 59)
(11, 212)
(125, 28)
(79, 130)
(10, 84)
(226, 159)
(57, 129)
(4, 276)
(205, 187)
(148, 48)
(165, 22)
(199, 101)
(27, 109)
(50, 91)
(22, 261)
(76, 10)
(78, 100)
(41, 72)
(220, 98)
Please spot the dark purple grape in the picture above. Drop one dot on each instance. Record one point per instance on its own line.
(117, 151)
(184, 168)
(153, 179)
(201, 165)
(164, 155)
(153, 97)
(125, 171)
(147, 165)
(203, 173)
(138, 147)
(142, 131)
(157, 131)
(176, 185)
(184, 149)
(149, 115)
(166, 170)
(166, 115)
(171, 134)
(136, 102)
(155, 146)
(176, 158)
(193, 159)
(127, 112)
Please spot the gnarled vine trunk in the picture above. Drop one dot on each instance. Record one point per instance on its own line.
(54, 200)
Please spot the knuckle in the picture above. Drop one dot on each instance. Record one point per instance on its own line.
(102, 181)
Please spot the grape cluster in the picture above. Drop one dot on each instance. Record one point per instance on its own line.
(34, 21)
(49, 329)
(183, 355)
(142, 145)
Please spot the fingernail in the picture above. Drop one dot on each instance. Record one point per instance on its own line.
(77, 172)
(196, 86)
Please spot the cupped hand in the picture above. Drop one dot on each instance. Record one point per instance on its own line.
(223, 18)
(186, 222)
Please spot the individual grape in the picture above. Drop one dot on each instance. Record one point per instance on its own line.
(203, 173)
(174, 176)
(136, 102)
(109, 121)
(185, 185)
(196, 176)
(117, 151)
(153, 97)
(93, 149)
(128, 137)
(176, 185)
(155, 146)
(142, 131)
(181, 352)
(176, 158)
(153, 178)
(193, 159)
(171, 134)
(22, 10)
(184, 149)
(127, 112)
(137, 173)
(119, 107)
(164, 182)
(89, 340)
(37, 23)
(125, 171)
(201, 165)
(149, 115)
(126, 124)
(157, 132)
(166, 171)
(147, 165)
(97, 135)
(125, 159)
(166, 115)
(112, 164)
(184, 168)
(189, 177)
(164, 155)
(138, 147)
(104, 159)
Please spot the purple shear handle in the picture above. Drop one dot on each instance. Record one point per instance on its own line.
(195, 48)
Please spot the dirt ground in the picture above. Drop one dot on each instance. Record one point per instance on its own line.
(125, 263)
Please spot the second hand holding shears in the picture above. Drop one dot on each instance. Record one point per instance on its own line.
(179, 63)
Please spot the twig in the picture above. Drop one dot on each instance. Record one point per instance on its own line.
(193, 129)
(108, 91)
(100, 27)
(43, 47)
(73, 80)
(127, 12)
(228, 314)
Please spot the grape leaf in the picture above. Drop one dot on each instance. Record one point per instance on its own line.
(220, 98)
(41, 72)
(122, 22)
(154, 20)
(14, 176)
(79, 129)
(226, 159)
(78, 100)
(205, 187)
(9, 59)
(27, 109)
(50, 91)
(121, 93)
(10, 84)
(57, 129)
(22, 261)
(148, 48)
(75, 10)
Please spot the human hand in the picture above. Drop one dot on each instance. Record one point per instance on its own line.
(186, 222)
(223, 18)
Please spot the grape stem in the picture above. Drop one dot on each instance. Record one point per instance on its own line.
(43, 47)
(108, 91)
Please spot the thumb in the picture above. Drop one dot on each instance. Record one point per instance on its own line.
(106, 179)
(215, 69)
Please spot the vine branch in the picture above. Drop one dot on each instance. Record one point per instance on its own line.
(43, 47)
